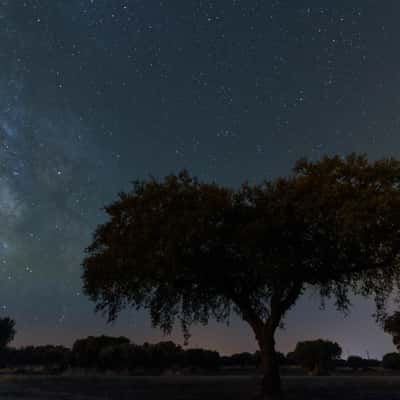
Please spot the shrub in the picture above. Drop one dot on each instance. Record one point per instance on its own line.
(316, 356)
(391, 361)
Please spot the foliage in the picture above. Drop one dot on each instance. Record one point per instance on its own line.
(243, 359)
(372, 363)
(85, 352)
(163, 354)
(117, 354)
(391, 361)
(107, 353)
(188, 251)
(46, 356)
(200, 358)
(316, 355)
(355, 362)
(7, 331)
(392, 326)
(116, 357)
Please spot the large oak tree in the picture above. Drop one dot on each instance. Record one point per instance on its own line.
(188, 251)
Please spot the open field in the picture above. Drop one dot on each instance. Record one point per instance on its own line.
(194, 388)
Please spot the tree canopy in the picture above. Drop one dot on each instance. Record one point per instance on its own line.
(187, 250)
(86, 351)
(391, 361)
(316, 356)
(392, 326)
(7, 331)
(355, 362)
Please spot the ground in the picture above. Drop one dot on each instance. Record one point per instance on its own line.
(195, 388)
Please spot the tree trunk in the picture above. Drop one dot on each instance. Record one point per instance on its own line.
(319, 369)
(271, 381)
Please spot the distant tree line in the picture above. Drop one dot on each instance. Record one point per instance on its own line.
(120, 355)
(52, 357)
(105, 353)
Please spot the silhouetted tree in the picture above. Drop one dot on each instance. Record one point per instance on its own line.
(392, 326)
(316, 356)
(53, 358)
(50, 356)
(372, 363)
(7, 357)
(117, 357)
(126, 356)
(190, 251)
(391, 361)
(280, 357)
(164, 355)
(243, 359)
(7, 331)
(355, 362)
(200, 358)
(86, 352)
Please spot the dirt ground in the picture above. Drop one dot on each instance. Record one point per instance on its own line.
(194, 388)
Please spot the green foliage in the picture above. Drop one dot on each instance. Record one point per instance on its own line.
(316, 356)
(7, 331)
(391, 361)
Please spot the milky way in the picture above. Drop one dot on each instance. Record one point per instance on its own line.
(96, 93)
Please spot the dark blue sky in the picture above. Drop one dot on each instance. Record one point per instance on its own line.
(97, 93)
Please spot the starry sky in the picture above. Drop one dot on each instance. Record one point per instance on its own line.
(97, 93)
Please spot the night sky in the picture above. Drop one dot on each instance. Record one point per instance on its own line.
(97, 93)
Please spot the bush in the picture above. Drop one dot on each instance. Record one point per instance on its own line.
(391, 361)
(355, 362)
(199, 358)
(86, 352)
(372, 363)
(243, 359)
(316, 356)
(163, 355)
(51, 357)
